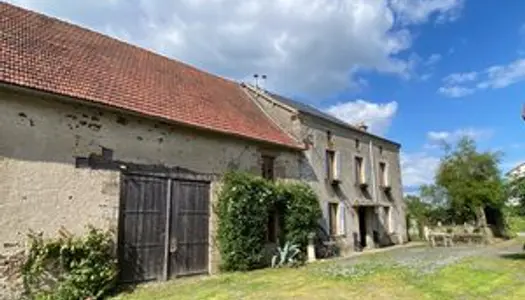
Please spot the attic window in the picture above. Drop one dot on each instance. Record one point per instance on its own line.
(329, 139)
(383, 174)
(329, 135)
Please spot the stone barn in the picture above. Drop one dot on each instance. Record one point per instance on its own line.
(97, 131)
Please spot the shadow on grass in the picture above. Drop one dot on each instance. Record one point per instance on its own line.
(514, 256)
(122, 289)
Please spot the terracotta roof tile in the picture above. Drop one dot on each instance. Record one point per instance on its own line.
(47, 54)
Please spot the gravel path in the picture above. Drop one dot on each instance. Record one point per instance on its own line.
(422, 260)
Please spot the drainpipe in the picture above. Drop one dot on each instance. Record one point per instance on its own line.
(372, 170)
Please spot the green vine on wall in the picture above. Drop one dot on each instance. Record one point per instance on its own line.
(70, 267)
(301, 212)
(243, 207)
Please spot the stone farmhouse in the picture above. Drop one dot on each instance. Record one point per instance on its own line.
(356, 174)
(97, 131)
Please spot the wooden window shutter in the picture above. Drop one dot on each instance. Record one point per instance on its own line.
(337, 165)
(342, 219)
(368, 171)
(332, 218)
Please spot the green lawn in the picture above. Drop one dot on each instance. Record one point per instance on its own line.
(373, 277)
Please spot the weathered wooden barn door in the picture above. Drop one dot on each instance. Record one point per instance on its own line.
(142, 234)
(163, 230)
(189, 228)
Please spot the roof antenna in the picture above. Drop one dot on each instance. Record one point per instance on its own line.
(256, 76)
(263, 81)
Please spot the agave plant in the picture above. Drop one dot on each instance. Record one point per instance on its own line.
(286, 256)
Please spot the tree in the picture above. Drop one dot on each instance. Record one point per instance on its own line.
(515, 188)
(417, 209)
(472, 181)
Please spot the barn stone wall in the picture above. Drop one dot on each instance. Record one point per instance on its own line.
(41, 138)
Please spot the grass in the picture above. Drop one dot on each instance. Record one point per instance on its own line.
(374, 277)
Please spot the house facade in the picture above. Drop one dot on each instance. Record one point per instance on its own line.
(97, 132)
(515, 173)
(356, 174)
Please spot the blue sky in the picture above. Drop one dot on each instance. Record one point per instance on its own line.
(417, 71)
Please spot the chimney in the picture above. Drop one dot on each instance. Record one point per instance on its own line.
(362, 126)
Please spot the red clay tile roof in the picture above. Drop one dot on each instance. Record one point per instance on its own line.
(47, 54)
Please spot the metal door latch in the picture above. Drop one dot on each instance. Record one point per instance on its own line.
(173, 245)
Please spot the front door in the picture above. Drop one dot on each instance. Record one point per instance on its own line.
(361, 213)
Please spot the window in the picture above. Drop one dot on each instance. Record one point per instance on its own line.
(359, 170)
(332, 218)
(267, 167)
(330, 164)
(357, 144)
(380, 150)
(383, 180)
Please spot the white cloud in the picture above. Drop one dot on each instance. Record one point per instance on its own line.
(427, 66)
(437, 138)
(433, 59)
(493, 77)
(313, 47)
(501, 76)
(460, 77)
(418, 168)
(419, 11)
(377, 116)
(455, 91)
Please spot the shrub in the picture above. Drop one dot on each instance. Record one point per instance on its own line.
(70, 267)
(302, 212)
(242, 211)
(243, 208)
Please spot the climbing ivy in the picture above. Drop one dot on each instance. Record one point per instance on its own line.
(243, 208)
(301, 212)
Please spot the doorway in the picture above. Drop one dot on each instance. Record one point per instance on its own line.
(163, 231)
(361, 215)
